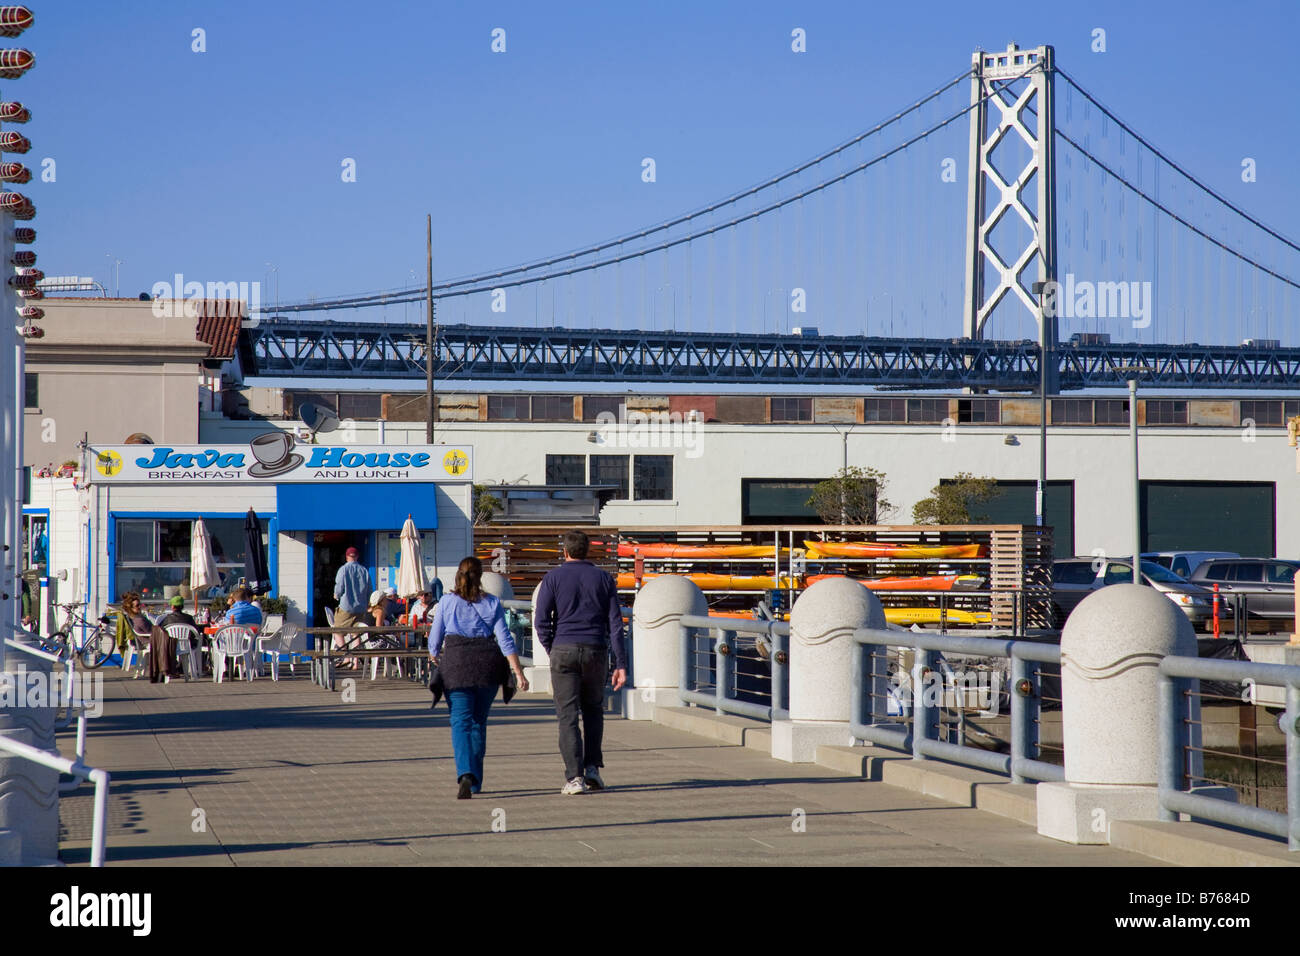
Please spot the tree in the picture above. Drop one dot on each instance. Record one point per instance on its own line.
(486, 505)
(953, 502)
(853, 496)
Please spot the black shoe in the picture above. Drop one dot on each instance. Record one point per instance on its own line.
(466, 782)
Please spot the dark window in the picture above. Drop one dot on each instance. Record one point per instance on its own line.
(1261, 413)
(927, 409)
(1017, 503)
(1290, 409)
(653, 477)
(792, 409)
(1237, 516)
(885, 410)
(1111, 411)
(513, 408)
(363, 406)
(407, 408)
(610, 470)
(31, 391)
(777, 501)
(979, 411)
(594, 405)
(1280, 573)
(552, 408)
(153, 555)
(1248, 573)
(1118, 574)
(1073, 572)
(566, 470)
(1166, 412)
(1072, 411)
(328, 400)
(1217, 572)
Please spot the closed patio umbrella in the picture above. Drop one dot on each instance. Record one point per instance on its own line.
(255, 570)
(203, 566)
(410, 565)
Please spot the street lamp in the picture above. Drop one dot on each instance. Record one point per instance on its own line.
(1133, 371)
(766, 299)
(891, 308)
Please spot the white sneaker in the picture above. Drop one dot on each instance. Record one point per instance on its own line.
(576, 785)
(593, 781)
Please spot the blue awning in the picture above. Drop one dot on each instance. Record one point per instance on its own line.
(356, 506)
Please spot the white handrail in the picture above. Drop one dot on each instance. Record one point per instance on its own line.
(79, 770)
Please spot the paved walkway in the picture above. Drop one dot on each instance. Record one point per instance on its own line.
(288, 774)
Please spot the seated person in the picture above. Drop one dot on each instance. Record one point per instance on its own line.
(392, 609)
(421, 608)
(243, 611)
(164, 663)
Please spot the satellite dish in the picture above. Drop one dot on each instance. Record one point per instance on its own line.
(316, 418)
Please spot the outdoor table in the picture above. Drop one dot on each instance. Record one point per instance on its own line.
(324, 655)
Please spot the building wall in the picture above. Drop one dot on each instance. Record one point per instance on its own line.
(707, 476)
(110, 368)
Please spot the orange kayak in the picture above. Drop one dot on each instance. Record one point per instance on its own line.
(630, 549)
(874, 549)
(715, 582)
(934, 582)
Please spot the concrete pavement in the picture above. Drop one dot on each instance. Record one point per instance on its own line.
(290, 774)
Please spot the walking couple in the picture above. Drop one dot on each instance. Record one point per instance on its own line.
(577, 619)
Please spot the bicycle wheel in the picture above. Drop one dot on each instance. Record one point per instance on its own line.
(99, 647)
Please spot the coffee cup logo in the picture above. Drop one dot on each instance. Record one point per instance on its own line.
(274, 454)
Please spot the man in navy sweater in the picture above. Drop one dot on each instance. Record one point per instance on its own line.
(578, 620)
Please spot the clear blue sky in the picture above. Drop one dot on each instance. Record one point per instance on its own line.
(213, 164)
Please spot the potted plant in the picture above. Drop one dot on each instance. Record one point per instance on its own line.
(274, 605)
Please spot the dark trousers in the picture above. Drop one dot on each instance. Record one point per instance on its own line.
(578, 675)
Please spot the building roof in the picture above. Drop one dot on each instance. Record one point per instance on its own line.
(219, 323)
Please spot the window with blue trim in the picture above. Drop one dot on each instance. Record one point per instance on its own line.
(153, 555)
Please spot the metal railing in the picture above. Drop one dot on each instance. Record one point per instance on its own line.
(920, 733)
(724, 695)
(1175, 688)
(77, 768)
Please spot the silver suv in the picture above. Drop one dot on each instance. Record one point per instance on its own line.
(1267, 583)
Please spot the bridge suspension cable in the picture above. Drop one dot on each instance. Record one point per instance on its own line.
(488, 281)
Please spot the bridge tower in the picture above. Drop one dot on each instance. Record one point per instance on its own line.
(1029, 115)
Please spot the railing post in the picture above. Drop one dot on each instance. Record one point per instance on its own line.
(724, 651)
(1170, 730)
(780, 674)
(1111, 651)
(1025, 692)
(1292, 728)
(923, 703)
(686, 642)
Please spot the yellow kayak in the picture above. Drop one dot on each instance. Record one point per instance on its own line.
(930, 615)
(716, 582)
(875, 549)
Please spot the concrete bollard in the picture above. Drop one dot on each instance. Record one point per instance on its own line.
(498, 585)
(29, 793)
(539, 674)
(1110, 654)
(657, 648)
(821, 655)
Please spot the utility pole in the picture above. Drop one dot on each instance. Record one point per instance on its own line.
(430, 337)
(1133, 371)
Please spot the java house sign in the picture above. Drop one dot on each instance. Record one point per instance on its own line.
(274, 458)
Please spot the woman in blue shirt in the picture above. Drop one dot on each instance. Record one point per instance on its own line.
(473, 666)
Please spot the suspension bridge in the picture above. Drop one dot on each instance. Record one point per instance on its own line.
(1071, 251)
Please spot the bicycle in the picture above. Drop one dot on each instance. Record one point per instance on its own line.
(96, 647)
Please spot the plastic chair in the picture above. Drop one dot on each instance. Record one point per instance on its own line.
(234, 642)
(189, 646)
(271, 624)
(290, 640)
(137, 652)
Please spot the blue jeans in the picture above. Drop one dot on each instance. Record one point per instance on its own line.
(469, 713)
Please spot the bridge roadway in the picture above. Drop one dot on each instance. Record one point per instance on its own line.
(288, 774)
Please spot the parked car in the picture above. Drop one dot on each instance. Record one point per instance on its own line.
(1183, 563)
(1267, 583)
(1073, 579)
